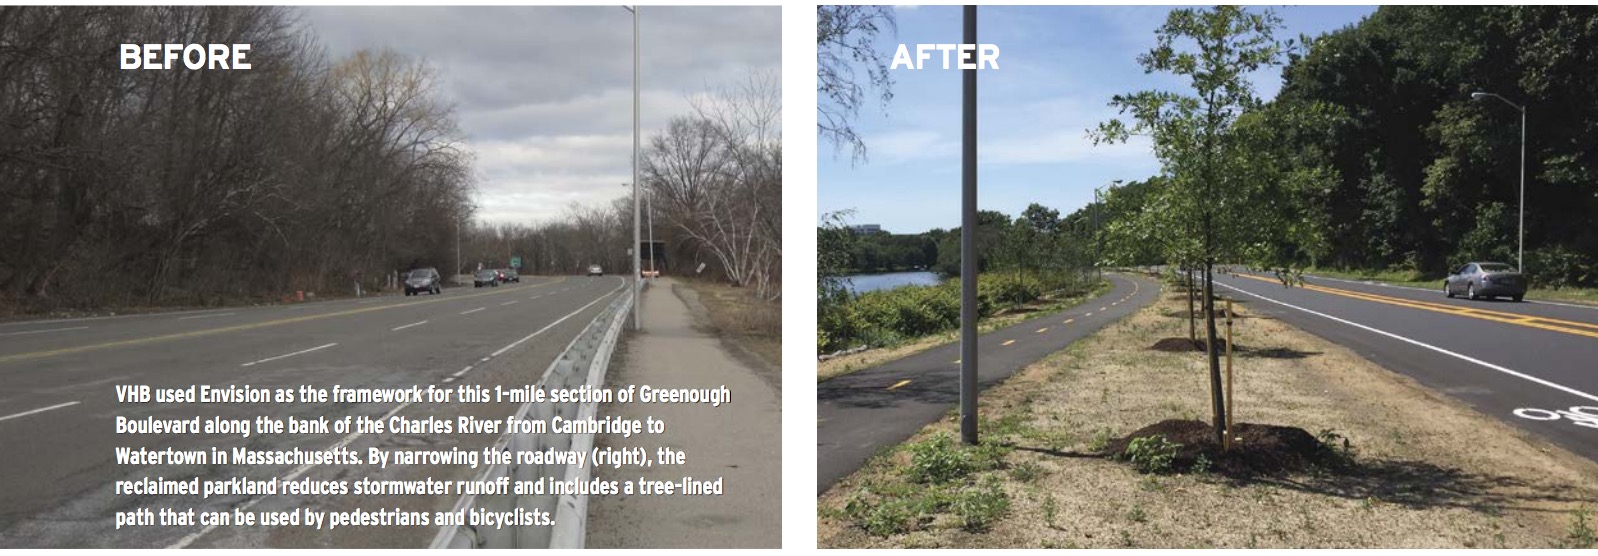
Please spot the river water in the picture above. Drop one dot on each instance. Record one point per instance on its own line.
(859, 283)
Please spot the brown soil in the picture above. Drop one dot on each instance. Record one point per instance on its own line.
(1257, 449)
(1178, 345)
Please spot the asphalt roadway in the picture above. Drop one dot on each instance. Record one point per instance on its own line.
(58, 399)
(1531, 364)
(860, 413)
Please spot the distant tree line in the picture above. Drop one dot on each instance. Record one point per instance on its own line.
(1393, 164)
(178, 186)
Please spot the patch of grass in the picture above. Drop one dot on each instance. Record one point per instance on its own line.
(1137, 515)
(1026, 472)
(979, 506)
(1101, 440)
(1580, 534)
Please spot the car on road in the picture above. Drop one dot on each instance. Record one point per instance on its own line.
(485, 277)
(423, 280)
(511, 275)
(595, 270)
(1485, 280)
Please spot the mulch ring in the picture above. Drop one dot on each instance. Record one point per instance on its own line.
(1179, 345)
(1258, 450)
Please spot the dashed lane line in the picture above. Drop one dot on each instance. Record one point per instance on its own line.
(301, 352)
(40, 410)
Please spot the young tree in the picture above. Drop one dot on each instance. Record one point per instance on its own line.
(1193, 137)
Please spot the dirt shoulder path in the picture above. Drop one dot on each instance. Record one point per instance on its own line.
(1427, 471)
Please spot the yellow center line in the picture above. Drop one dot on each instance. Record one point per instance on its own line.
(1555, 325)
(1008, 342)
(1042, 330)
(241, 327)
(898, 384)
(1068, 321)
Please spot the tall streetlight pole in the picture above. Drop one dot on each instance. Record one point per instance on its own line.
(968, 241)
(636, 301)
(649, 202)
(457, 272)
(1520, 256)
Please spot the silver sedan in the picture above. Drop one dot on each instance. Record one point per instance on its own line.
(1485, 280)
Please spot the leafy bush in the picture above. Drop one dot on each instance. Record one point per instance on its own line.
(1557, 267)
(889, 516)
(980, 506)
(938, 460)
(1152, 454)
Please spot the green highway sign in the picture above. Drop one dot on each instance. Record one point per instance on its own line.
(516, 262)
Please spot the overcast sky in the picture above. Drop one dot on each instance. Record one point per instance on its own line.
(1059, 67)
(544, 94)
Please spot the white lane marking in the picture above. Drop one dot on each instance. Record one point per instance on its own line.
(40, 410)
(511, 302)
(473, 310)
(43, 331)
(1499, 368)
(462, 371)
(303, 351)
(207, 316)
(546, 327)
(374, 300)
(399, 328)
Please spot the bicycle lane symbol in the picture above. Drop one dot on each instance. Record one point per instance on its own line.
(1581, 415)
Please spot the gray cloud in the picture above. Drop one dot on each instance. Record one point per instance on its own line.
(544, 94)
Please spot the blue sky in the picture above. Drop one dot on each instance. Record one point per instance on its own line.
(1059, 66)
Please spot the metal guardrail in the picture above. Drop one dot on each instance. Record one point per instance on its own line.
(583, 362)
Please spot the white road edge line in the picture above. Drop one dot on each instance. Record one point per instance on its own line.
(511, 302)
(473, 310)
(40, 410)
(399, 328)
(207, 316)
(290, 354)
(549, 326)
(42, 331)
(1501, 369)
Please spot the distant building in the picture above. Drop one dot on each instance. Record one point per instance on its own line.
(866, 228)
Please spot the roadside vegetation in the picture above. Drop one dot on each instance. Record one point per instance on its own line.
(1068, 460)
(1028, 264)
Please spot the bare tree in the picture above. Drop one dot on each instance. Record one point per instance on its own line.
(846, 37)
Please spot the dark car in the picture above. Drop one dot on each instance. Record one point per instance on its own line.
(485, 277)
(510, 275)
(1479, 280)
(423, 280)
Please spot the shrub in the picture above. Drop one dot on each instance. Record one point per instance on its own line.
(1152, 454)
(937, 460)
(1556, 267)
(980, 506)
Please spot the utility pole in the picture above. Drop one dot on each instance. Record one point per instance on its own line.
(637, 323)
(968, 241)
(457, 248)
(649, 201)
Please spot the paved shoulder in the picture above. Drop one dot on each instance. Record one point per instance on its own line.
(740, 442)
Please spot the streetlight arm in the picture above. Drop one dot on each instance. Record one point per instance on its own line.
(1480, 95)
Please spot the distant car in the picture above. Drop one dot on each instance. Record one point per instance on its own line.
(485, 277)
(423, 280)
(1479, 280)
(594, 270)
(510, 275)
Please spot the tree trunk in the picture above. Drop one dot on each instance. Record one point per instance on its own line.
(1192, 315)
(1216, 396)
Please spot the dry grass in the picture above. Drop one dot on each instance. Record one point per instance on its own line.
(739, 316)
(1429, 472)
